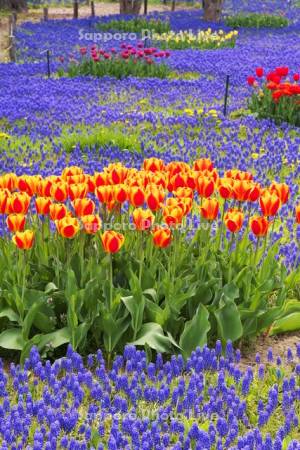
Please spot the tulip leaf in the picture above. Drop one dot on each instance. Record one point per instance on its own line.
(152, 334)
(195, 331)
(290, 322)
(12, 339)
(10, 314)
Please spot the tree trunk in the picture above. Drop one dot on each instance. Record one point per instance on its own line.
(130, 6)
(13, 5)
(212, 10)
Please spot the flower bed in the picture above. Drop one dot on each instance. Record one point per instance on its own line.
(203, 40)
(276, 95)
(207, 402)
(129, 61)
(122, 256)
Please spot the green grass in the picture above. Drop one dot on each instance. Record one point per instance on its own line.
(117, 67)
(256, 21)
(136, 25)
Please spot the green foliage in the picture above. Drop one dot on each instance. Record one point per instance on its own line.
(136, 25)
(256, 20)
(90, 299)
(285, 109)
(116, 67)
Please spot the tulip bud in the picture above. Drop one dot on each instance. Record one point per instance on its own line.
(16, 222)
(269, 203)
(83, 206)
(209, 208)
(42, 205)
(143, 219)
(67, 227)
(234, 220)
(259, 226)
(23, 239)
(112, 241)
(136, 196)
(205, 186)
(18, 203)
(59, 191)
(153, 165)
(297, 213)
(57, 211)
(162, 237)
(77, 191)
(91, 223)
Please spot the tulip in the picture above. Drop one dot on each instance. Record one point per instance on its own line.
(23, 239)
(282, 190)
(104, 194)
(297, 213)
(4, 193)
(255, 192)
(251, 81)
(259, 72)
(136, 196)
(91, 183)
(44, 188)
(101, 179)
(112, 241)
(237, 174)
(259, 226)
(57, 211)
(18, 203)
(184, 192)
(59, 191)
(83, 206)
(234, 220)
(205, 186)
(8, 181)
(241, 190)
(143, 219)
(28, 184)
(77, 191)
(172, 215)
(203, 164)
(70, 171)
(68, 227)
(153, 165)
(154, 197)
(76, 179)
(209, 208)
(269, 203)
(120, 193)
(16, 222)
(175, 167)
(162, 237)
(176, 181)
(42, 205)
(91, 223)
(225, 188)
(117, 173)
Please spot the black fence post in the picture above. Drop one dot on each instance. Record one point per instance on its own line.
(92, 9)
(145, 7)
(173, 5)
(45, 14)
(75, 9)
(226, 95)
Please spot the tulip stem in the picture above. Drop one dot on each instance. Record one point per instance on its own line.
(141, 258)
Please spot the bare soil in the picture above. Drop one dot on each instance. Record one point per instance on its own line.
(279, 344)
